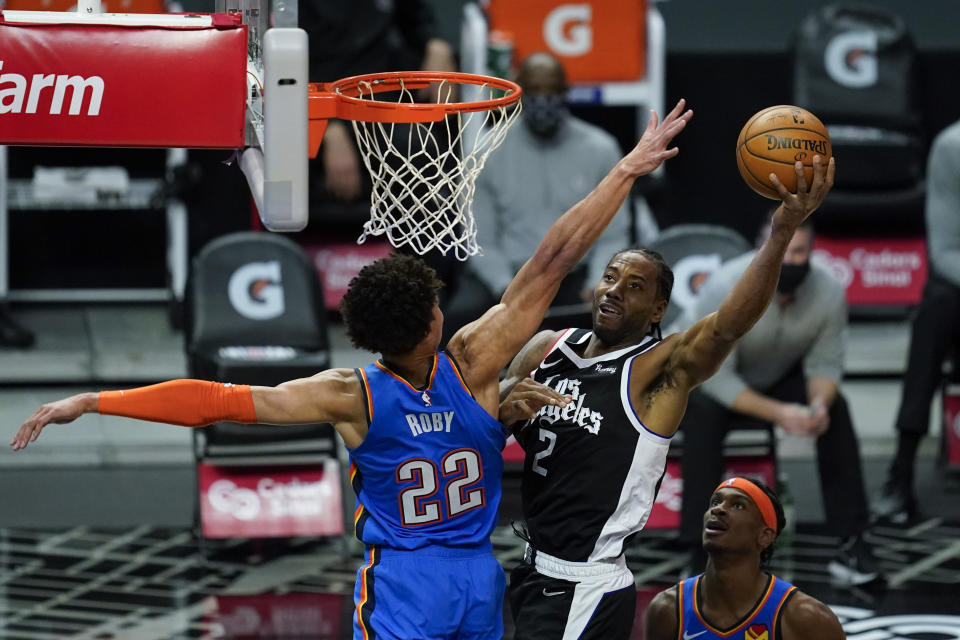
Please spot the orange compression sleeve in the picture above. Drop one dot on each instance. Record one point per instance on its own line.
(190, 403)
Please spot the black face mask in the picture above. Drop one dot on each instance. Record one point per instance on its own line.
(544, 114)
(792, 276)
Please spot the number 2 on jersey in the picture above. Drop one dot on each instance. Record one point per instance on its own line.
(463, 468)
(551, 439)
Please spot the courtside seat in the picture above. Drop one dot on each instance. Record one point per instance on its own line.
(255, 315)
(694, 251)
(855, 68)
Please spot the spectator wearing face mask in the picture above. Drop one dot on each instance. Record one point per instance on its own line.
(787, 371)
(547, 163)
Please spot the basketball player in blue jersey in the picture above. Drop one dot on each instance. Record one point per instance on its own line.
(735, 597)
(592, 467)
(424, 443)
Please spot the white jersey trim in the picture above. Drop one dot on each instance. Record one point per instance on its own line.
(556, 345)
(625, 398)
(639, 487)
(582, 363)
(586, 598)
(636, 496)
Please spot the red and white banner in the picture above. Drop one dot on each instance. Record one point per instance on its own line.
(271, 615)
(951, 424)
(513, 452)
(263, 502)
(666, 510)
(876, 271)
(339, 262)
(123, 86)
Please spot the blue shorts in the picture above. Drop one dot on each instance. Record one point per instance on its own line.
(435, 592)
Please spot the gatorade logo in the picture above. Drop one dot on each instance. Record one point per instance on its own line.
(255, 290)
(567, 30)
(851, 59)
(689, 275)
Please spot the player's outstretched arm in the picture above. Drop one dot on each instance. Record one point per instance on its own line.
(806, 617)
(331, 396)
(703, 347)
(660, 618)
(485, 346)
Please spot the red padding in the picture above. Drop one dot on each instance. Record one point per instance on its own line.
(143, 86)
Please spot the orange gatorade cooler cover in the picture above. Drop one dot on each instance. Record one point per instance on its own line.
(597, 40)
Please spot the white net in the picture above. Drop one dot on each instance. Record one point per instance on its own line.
(424, 173)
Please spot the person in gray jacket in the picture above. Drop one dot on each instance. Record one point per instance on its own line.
(786, 370)
(936, 325)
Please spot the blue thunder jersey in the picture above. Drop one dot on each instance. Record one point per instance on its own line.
(762, 623)
(428, 472)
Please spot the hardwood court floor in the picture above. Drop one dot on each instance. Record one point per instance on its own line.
(147, 583)
(136, 571)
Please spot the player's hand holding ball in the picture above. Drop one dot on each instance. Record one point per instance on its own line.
(784, 153)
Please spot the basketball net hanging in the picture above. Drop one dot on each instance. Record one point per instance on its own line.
(424, 165)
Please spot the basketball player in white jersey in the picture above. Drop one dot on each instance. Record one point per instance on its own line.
(593, 466)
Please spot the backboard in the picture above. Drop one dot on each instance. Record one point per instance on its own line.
(275, 159)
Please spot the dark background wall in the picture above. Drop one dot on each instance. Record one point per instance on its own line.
(728, 59)
(731, 59)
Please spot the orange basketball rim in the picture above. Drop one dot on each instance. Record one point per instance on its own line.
(355, 98)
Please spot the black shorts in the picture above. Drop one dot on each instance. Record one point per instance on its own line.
(550, 608)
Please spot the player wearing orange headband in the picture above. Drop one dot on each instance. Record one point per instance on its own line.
(735, 596)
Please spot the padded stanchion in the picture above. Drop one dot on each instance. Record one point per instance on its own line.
(164, 80)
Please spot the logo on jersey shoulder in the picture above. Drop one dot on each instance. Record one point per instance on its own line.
(756, 632)
(577, 412)
(607, 369)
(421, 423)
(687, 635)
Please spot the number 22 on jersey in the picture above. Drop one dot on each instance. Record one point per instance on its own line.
(460, 469)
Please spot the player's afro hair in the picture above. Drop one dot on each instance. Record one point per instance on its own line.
(388, 306)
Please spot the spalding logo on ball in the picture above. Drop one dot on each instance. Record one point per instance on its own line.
(773, 140)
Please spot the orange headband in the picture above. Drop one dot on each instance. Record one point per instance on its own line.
(761, 499)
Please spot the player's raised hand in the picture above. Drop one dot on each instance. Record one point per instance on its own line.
(527, 398)
(797, 207)
(59, 412)
(652, 149)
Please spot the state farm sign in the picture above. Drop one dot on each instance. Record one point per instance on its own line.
(876, 271)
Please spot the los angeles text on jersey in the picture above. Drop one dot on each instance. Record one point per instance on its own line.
(576, 411)
(421, 423)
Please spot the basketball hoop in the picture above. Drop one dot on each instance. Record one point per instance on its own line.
(423, 158)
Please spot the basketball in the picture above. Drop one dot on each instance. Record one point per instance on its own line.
(773, 140)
